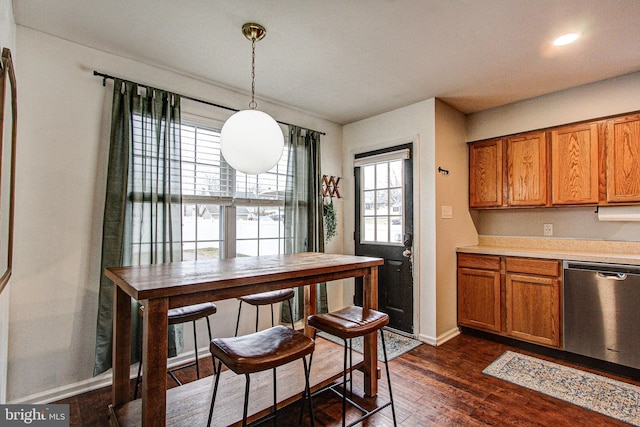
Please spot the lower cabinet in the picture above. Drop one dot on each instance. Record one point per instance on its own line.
(479, 292)
(511, 296)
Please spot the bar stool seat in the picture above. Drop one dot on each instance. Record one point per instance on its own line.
(258, 352)
(191, 313)
(266, 298)
(271, 297)
(348, 323)
(175, 316)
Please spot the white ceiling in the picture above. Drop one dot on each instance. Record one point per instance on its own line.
(344, 60)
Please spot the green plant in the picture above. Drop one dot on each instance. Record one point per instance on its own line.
(330, 221)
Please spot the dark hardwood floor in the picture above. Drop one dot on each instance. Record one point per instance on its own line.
(432, 386)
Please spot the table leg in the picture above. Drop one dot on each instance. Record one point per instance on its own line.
(154, 356)
(370, 301)
(121, 347)
(310, 298)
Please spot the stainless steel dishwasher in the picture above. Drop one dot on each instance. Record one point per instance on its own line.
(602, 311)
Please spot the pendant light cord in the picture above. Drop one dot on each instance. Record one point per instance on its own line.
(253, 104)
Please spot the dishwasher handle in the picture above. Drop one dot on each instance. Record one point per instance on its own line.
(612, 276)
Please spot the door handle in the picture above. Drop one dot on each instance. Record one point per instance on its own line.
(406, 253)
(613, 276)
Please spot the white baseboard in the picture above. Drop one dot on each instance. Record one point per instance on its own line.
(102, 380)
(440, 339)
(450, 334)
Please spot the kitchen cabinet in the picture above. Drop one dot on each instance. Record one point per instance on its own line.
(486, 174)
(479, 293)
(509, 171)
(511, 296)
(527, 169)
(532, 300)
(574, 164)
(623, 159)
(590, 163)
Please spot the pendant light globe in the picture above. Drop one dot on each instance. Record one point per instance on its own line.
(251, 141)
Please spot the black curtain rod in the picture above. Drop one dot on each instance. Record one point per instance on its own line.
(107, 76)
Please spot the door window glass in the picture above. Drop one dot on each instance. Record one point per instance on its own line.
(381, 210)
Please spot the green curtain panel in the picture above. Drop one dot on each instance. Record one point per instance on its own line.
(303, 225)
(142, 215)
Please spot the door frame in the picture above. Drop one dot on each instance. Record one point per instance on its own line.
(349, 214)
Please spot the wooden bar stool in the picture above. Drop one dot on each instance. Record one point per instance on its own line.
(258, 352)
(349, 323)
(189, 313)
(266, 298)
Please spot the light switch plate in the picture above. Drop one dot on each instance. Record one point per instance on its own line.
(447, 212)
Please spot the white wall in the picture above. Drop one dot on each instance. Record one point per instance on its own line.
(415, 123)
(451, 190)
(7, 39)
(605, 98)
(63, 128)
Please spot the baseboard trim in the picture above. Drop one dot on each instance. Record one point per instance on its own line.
(97, 382)
(450, 334)
(440, 339)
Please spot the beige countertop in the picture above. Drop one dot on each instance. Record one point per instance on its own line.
(615, 252)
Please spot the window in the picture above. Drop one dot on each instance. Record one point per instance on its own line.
(382, 189)
(227, 213)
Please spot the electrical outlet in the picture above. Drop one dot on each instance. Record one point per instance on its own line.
(548, 229)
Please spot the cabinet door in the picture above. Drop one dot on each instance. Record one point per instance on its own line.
(485, 174)
(479, 299)
(574, 165)
(533, 309)
(527, 170)
(623, 159)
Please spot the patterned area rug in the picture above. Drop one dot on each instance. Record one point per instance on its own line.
(600, 394)
(396, 344)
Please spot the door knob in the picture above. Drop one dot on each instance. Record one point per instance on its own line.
(406, 253)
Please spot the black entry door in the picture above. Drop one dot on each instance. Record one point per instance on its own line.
(384, 228)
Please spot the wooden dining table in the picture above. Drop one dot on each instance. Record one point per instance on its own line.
(160, 287)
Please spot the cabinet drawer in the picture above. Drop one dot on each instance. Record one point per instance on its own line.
(540, 267)
(483, 262)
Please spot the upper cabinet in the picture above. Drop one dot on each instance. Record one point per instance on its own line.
(591, 163)
(485, 174)
(527, 169)
(574, 164)
(623, 159)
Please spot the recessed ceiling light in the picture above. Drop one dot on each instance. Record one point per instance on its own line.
(566, 39)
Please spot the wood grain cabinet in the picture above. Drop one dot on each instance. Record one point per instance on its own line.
(479, 292)
(590, 163)
(485, 174)
(623, 159)
(574, 164)
(527, 169)
(511, 296)
(532, 300)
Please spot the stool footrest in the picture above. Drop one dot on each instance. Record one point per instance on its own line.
(365, 412)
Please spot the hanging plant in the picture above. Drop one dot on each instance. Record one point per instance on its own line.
(330, 221)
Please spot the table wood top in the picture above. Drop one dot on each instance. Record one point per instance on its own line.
(180, 278)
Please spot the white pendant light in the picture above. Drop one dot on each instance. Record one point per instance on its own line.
(251, 140)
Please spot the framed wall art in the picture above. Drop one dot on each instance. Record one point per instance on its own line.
(8, 121)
